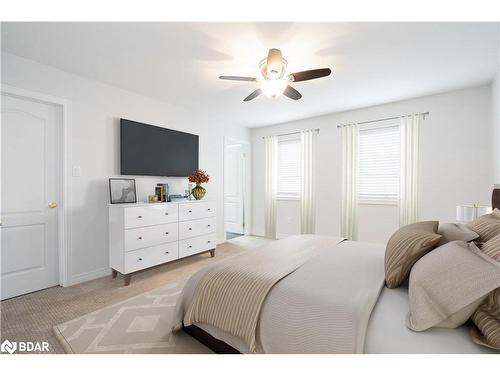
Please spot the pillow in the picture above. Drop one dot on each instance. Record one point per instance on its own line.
(487, 226)
(492, 248)
(496, 213)
(455, 232)
(487, 320)
(407, 245)
(448, 284)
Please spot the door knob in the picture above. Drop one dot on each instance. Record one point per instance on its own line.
(52, 205)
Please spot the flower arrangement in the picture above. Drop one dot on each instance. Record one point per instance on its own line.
(199, 177)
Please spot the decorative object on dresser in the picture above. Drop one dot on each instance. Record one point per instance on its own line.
(199, 177)
(122, 190)
(145, 235)
(163, 192)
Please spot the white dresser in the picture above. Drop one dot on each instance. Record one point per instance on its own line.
(144, 235)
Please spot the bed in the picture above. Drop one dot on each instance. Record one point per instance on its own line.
(332, 300)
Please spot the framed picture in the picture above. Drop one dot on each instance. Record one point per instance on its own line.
(122, 190)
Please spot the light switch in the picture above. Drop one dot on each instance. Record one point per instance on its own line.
(77, 171)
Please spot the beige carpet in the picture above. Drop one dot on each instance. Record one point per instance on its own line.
(31, 317)
(138, 325)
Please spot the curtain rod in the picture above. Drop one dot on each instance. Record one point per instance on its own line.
(384, 119)
(282, 135)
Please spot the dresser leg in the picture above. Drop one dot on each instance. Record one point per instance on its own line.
(212, 253)
(126, 280)
(114, 273)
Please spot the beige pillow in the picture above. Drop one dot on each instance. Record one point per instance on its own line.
(492, 248)
(455, 232)
(487, 226)
(487, 320)
(448, 284)
(407, 245)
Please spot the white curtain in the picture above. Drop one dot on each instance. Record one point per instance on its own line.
(271, 183)
(349, 181)
(410, 170)
(307, 204)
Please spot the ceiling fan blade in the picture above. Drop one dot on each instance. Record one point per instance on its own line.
(310, 74)
(237, 78)
(253, 95)
(292, 93)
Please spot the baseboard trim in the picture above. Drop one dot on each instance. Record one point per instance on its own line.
(87, 276)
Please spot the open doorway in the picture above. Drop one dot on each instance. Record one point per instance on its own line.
(236, 181)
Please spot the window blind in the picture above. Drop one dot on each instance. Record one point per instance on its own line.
(289, 168)
(379, 162)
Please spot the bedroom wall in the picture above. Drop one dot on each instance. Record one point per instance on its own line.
(457, 159)
(495, 88)
(495, 95)
(96, 108)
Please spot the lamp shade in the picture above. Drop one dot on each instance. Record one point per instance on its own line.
(470, 212)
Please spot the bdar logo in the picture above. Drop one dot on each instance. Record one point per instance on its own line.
(9, 347)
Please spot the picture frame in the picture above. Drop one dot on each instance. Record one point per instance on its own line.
(122, 190)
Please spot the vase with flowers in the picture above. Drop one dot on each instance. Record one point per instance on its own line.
(199, 177)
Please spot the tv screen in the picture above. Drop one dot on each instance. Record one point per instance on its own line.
(148, 150)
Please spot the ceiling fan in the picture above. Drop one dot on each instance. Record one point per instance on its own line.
(275, 81)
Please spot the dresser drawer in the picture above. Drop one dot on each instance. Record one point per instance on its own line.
(151, 256)
(196, 245)
(149, 236)
(153, 214)
(191, 211)
(194, 228)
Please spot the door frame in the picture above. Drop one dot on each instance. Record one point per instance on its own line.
(246, 184)
(64, 167)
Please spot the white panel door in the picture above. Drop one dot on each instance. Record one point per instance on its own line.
(30, 194)
(234, 164)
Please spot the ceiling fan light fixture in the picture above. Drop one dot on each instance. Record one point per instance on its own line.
(273, 88)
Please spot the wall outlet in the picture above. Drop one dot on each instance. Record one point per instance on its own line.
(77, 171)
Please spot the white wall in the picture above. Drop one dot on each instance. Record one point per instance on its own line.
(96, 108)
(495, 88)
(495, 96)
(457, 160)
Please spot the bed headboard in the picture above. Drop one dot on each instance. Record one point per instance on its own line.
(495, 198)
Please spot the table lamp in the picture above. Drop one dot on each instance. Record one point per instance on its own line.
(470, 212)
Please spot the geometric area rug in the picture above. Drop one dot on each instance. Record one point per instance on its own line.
(138, 325)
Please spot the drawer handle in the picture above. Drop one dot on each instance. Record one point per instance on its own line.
(166, 252)
(208, 225)
(190, 246)
(140, 259)
(139, 217)
(190, 228)
(190, 211)
(166, 232)
(209, 209)
(139, 238)
(166, 213)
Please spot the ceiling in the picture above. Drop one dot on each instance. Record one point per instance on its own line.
(180, 63)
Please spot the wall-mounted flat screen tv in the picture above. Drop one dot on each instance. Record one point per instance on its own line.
(148, 150)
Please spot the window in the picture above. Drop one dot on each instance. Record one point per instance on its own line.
(379, 160)
(289, 168)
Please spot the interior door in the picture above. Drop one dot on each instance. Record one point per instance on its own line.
(234, 172)
(29, 196)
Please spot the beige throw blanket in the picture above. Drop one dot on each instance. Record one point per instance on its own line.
(231, 294)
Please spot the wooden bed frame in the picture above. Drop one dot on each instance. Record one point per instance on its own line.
(216, 345)
(220, 347)
(495, 198)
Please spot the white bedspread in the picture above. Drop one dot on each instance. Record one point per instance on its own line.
(322, 307)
